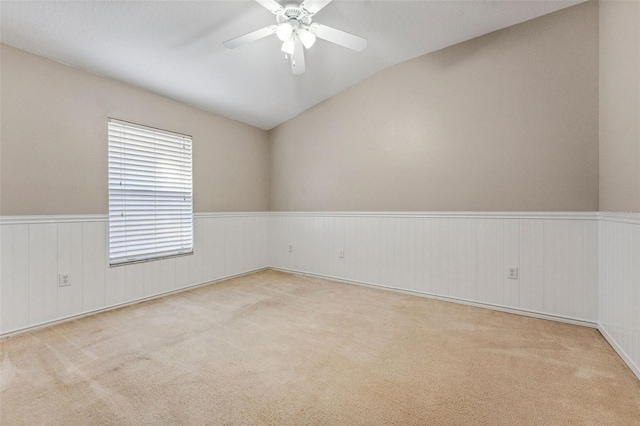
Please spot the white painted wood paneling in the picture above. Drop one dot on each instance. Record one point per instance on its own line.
(152, 277)
(50, 274)
(619, 286)
(462, 256)
(94, 254)
(21, 275)
(34, 250)
(6, 277)
(531, 264)
(36, 272)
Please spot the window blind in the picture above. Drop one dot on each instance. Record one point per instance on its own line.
(150, 193)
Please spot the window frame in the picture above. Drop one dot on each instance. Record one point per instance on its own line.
(184, 223)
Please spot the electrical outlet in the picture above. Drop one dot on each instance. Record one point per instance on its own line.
(290, 248)
(341, 253)
(512, 272)
(64, 279)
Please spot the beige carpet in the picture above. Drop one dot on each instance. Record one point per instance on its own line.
(274, 348)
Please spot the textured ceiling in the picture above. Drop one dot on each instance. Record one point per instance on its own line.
(174, 48)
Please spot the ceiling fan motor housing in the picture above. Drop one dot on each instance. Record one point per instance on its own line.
(293, 13)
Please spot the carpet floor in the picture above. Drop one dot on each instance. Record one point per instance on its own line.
(276, 348)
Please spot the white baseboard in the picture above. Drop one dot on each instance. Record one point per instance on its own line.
(524, 312)
(626, 358)
(57, 321)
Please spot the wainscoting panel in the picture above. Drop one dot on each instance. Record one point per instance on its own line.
(463, 256)
(34, 250)
(619, 285)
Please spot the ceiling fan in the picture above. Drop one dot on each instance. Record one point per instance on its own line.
(297, 31)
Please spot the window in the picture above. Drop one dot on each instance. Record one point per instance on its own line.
(150, 193)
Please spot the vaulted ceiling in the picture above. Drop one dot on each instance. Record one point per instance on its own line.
(174, 48)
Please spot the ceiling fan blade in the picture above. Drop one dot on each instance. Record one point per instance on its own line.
(314, 6)
(252, 36)
(272, 5)
(339, 37)
(298, 65)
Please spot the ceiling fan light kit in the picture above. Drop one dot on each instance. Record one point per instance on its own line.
(297, 31)
(289, 47)
(307, 38)
(284, 31)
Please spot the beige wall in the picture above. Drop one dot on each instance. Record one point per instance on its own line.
(508, 121)
(54, 141)
(620, 106)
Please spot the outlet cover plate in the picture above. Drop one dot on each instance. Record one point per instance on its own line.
(64, 279)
